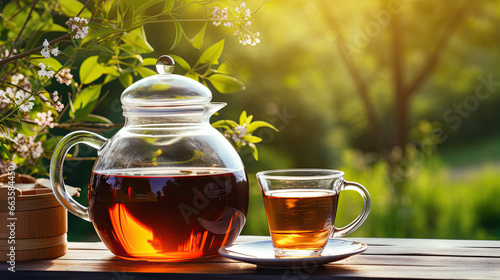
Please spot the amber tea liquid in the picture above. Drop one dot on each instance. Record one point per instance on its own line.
(182, 214)
(300, 219)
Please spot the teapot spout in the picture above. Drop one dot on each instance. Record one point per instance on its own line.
(211, 108)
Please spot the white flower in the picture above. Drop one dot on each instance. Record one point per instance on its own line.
(219, 15)
(55, 51)
(45, 119)
(26, 146)
(3, 97)
(45, 51)
(64, 76)
(239, 132)
(16, 78)
(42, 72)
(23, 99)
(55, 96)
(59, 106)
(38, 150)
(240, 23)
(78, 27)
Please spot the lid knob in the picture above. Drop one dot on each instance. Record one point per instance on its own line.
(165, 65)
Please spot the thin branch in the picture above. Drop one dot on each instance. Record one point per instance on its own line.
(35, 50)
(79, 158)
(433, 58)
(84, 6)
(22, 28)
(358, 80)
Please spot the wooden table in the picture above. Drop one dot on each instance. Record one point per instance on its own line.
(384, 258)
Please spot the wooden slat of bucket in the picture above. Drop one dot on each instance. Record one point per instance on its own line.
(40, 225)
(36, 254)
(36, 223)
(31, 202)
(34, 243)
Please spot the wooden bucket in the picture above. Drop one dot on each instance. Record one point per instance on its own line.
(37, 228)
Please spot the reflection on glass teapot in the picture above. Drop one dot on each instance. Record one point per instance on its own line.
(167, 186)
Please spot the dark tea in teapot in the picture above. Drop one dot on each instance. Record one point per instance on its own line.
(181, 214)
(167, 186)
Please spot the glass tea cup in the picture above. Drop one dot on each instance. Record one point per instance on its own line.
(301, 205)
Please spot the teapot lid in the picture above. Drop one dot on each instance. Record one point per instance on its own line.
(165, 89)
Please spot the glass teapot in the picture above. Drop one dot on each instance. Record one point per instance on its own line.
(167, 186)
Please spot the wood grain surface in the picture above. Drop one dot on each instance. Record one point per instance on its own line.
(384, 258)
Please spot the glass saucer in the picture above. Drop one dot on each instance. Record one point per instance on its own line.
(261, 253)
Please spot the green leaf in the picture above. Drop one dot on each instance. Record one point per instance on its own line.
(111, 69)
(223, 68)
(103, 32)
(169, 4)
(85, 102)
(52, 27)
(145, 72)
(103, 58)
(71, 8)
(101, 48)
(197, 40)
(257, 124)
(6, 151)
(226, 84)
(255, 152)
(149, 61)
(147, 4)
(243, 117)
(182, 63)
(126, 79)
(193, 76)
(9, 9)
(252, 139)
(24, 129)
(249, 120)
(212, 54)
(51, 143)
(90, 70)
(109, 78)
(178, 34)
(224, 123)
(137, 39)
(52, 62)
(98, 119)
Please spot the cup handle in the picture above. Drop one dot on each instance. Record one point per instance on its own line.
(56, 169)
(364, 213)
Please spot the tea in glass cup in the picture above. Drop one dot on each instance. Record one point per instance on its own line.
(301, 205)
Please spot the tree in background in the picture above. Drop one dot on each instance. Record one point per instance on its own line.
(408, 39)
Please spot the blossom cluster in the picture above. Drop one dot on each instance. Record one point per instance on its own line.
(240, 23)
(46, 51)
(45, 119)
(64, 77)
(239, 133)
(79, 27)
(18, 97)
(42, 72)
(26, 146)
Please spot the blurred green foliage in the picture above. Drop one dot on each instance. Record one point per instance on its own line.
(296, 80)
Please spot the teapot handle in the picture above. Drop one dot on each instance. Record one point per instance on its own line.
(56, 172)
